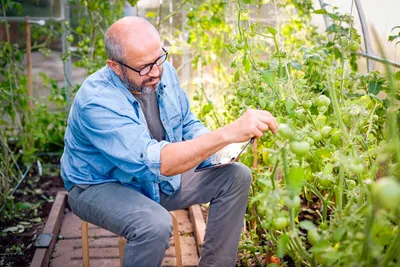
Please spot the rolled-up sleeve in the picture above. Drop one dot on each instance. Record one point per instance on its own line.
(122, 139)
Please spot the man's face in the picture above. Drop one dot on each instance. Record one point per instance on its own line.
(146, 83)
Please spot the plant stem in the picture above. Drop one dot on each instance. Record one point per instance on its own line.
(323, 200)
(367, 232)
(272, 176)
(285, 164)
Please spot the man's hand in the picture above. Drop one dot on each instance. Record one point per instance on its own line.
(182, 156)
(253, 123)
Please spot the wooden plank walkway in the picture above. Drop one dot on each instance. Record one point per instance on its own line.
(104, 244)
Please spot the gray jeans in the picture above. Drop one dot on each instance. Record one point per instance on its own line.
(147, 225)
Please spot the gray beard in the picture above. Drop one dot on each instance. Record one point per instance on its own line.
(134, 88)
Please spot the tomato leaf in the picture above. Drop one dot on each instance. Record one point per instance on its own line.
(295, 180)
(334, 16)
(296, 65)
(236, 76)
(307, 225)
(397, 76)
(375, 86)
(320, 11)
(282, 244)
(290, 104)
(268, 77)
(246, 63)
(263, 102)
(273, 31)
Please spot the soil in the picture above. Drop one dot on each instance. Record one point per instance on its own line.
(16, 249)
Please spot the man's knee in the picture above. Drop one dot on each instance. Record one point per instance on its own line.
(242, 174)
(156, 224)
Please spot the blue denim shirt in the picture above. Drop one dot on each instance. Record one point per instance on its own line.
(107, 138)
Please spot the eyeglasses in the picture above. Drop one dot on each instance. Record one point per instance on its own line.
(146, 69)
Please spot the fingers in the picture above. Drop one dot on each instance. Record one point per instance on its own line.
(266, 118)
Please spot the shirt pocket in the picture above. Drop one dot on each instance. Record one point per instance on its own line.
(176, 124)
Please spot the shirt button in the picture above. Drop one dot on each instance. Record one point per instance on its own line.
(141, 155)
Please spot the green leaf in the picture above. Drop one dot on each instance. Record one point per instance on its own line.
(328, 169)
(307, 225)
(282, 244)
(233, 64)
(393, 37)
(320, 11)
(263, 103)
(374, 87)
(236, 76)
(295, 180)
(296, 65)
(23, 205)
(268, 77)
(151, 14)
(272, 31)
(12, 229)
(338, 235)
(246, 63)
(290, 104)
(397, 76)
(334, 16)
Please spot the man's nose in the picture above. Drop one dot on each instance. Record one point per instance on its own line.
(155, 71)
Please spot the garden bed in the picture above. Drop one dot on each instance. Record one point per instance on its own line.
(32, 204)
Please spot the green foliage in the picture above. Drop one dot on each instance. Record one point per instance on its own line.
(337, 148)
(26, 131)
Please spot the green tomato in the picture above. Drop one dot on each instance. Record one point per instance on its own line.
(280, 223)
(386, 192)
(266, 225)
(354, 46)
(299, 148)
(300, 114)
(310, 141)
(313, 237)
(307, 104)
(357, 168)
(285, 131)
(359, 236)
(70, 38)
(316, 136)
(240, 45)
(344, 40)
(336, 137)
(207, 108)
(325, 180)
(292, 202)
(232, 49)
(325, 131)
(322, 100)
(190, 14)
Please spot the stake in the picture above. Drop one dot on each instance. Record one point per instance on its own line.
(29, 62)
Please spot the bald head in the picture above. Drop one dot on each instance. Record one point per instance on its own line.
(130, 37)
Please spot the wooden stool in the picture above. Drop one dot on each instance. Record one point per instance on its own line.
(122, 242)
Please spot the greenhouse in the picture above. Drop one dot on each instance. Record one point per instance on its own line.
(200, 133)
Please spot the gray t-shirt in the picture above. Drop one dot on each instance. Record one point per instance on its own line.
(148, 103)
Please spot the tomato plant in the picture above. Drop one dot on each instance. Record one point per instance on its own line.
(317, 194)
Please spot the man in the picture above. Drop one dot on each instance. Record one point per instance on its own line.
(129, 138)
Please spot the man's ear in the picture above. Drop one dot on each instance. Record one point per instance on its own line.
(114, 66)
